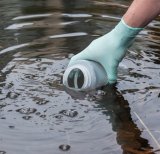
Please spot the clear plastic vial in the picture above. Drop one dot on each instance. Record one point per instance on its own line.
(84, 75)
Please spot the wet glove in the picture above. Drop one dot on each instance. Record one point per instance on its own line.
(109, 49)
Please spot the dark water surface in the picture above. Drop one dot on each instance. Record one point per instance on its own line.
(37, 114)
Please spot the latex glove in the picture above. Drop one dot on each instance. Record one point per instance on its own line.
(109, 49)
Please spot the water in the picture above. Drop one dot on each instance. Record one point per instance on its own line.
(38, 115)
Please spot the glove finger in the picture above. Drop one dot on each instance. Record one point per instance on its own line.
(83, 55)
(111, 71)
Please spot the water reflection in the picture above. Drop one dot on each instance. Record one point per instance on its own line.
(118, 112)
(128, 134)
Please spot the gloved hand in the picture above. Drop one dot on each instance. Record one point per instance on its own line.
(109, 49)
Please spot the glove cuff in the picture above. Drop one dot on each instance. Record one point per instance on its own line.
(125, 30)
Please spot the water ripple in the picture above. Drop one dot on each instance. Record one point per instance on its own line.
(32, 16)
(13, 48)
(18, 26)
(77, 15)
(69, 35)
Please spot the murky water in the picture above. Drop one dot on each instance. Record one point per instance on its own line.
(38, 115)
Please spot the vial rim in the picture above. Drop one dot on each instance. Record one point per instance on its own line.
(87, 77)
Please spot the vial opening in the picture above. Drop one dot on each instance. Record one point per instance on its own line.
(75, 79)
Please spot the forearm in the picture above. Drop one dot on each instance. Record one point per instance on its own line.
(141, 12)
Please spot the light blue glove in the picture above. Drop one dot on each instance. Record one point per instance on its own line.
(109, 49)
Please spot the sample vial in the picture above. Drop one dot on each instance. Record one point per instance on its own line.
(84, 75)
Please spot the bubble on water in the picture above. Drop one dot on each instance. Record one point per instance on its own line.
(2, 152)
(64, 147)
(27, 117)
(100, 92)
(90, 98)
(2, 104)
(26, 110)
(87, 95)
(41, 101)
(70, 113)
(12, 95)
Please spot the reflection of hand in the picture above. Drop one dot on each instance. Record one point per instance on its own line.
(109, 49)
(118, 113)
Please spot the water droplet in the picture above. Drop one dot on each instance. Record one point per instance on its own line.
(27, 117)
(26, 110)
(64, 147)
(70, 113)
(12, 95)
